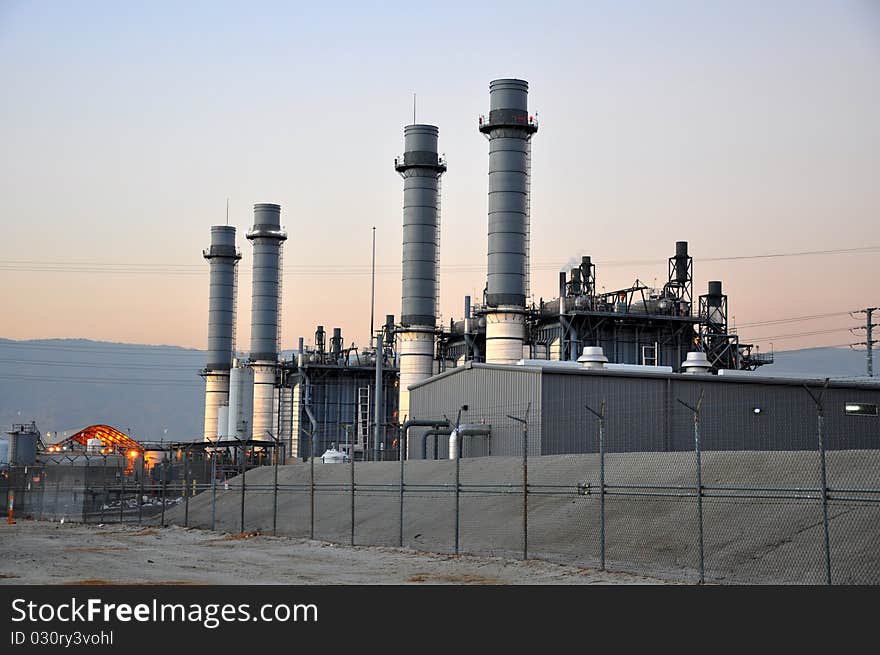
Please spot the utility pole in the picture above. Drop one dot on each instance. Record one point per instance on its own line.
(373, 286)
(869, 337)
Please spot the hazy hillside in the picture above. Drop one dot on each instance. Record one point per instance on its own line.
(67, 384)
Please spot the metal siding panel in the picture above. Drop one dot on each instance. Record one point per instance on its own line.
(491, 395)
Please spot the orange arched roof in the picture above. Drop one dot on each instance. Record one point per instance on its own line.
(109, 436)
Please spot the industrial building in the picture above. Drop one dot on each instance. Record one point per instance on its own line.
(642, 409)
(507, 348)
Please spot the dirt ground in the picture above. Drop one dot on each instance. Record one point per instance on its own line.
(45, 552)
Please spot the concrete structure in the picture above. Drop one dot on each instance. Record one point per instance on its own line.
(421, 168)
(739, 412)
(509, 129)
(267, 238)
(223, 257)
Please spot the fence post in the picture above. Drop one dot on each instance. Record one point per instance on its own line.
(104, 476)
(275, 492)
(401, 452)
(86, 489)
(186, 488)
(243, 475)
(601, 416)
(458, 444)
(820, 434)
(213, 489)
(352, 496)
(312, 489)
(164, 490)
(141, 489)
(525, 479)
(699, 489)
(122, 497)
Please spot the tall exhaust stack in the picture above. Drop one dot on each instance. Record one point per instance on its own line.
(509, 129)
(421, 168)
(222, 257)
(267, 238)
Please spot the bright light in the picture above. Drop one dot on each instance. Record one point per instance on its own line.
(853, 408)
(757, 410)
(132, 453)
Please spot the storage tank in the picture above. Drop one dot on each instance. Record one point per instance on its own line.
(241, 402)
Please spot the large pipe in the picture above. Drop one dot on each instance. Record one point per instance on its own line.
(509, 129)
(421, 168)
(222, 257)
(267, 238)
(456, 438)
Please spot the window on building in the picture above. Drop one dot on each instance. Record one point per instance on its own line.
(861, 409)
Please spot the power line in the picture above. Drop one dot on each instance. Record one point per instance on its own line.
(797, 335)
(794, 319)
(93, 267)
(83, 380)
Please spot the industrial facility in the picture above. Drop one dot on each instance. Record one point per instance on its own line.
(638, 343)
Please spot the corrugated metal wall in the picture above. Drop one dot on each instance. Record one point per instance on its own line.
(643, 415)
(642, 412)
(491, 393)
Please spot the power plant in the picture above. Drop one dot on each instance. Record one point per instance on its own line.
(644, 394)
(337, 395)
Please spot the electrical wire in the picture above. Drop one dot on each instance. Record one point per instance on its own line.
(365, 269)
(94, 380)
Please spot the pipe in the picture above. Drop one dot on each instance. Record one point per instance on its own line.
(436, 434)
(473, 430)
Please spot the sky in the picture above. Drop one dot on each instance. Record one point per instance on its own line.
(742, 127)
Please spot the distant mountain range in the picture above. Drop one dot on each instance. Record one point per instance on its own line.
(155, 392)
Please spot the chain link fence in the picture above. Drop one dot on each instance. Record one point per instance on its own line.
(705, 514)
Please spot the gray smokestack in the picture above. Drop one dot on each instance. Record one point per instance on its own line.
(421, 169)
(509, 129)
(222, 257)
(267, 237)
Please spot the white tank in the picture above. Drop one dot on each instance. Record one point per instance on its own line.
(216, 394)
(241, 402)
(264, 400)
(223, 422)
(333, 456)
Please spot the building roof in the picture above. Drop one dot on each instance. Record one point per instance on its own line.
(738, 377)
